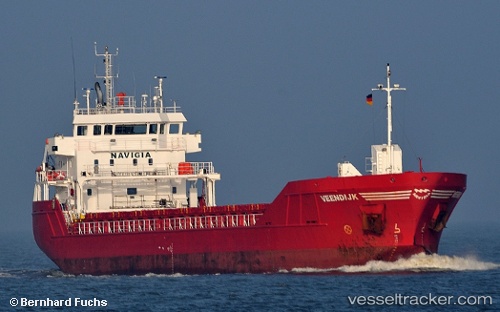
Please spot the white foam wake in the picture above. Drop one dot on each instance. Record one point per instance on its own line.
(416, 263)
(5, 274)
(423, 263)
(175, 275)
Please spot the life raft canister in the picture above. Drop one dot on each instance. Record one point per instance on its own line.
(185, 168)
(121, 98)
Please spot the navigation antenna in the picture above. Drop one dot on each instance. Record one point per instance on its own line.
(75, 101)
(159, 91)
(388, 89)
(108, 74)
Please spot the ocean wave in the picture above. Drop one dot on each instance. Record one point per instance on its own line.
(163, 275)
(5, 275)
(422, 263)
(57, 274)
(21, 273)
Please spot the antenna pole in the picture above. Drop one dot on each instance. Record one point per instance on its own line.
(108, 74)
(388, 89)
(74, 70)
(87, 96)
(160, 90)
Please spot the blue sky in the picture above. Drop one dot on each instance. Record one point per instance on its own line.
(277, 87)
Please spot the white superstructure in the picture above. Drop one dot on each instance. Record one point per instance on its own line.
(123, 156)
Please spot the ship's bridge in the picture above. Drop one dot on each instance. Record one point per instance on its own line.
(125, 127)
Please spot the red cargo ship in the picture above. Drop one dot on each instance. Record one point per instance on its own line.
(119, 197)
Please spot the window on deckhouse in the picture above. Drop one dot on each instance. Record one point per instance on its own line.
(174, 129)
(130, 129)
(108, 129)
(81, 130)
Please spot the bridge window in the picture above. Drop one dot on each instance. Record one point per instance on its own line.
(174, 129)
(153, 128)
(162, 128)
(97, 130)
(132, 191)
(81, 130)
(108, 129)
(131, 129)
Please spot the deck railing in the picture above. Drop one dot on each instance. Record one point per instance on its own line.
(167, 224)
(126, 105)
(170, 169)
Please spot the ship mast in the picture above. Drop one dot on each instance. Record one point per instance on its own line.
(388, 89)
(108, 74)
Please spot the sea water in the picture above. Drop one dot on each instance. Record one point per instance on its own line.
(465, 276)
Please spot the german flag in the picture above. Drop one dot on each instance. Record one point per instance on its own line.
(369, 99)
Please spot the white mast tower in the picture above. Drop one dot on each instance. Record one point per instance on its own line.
(392, 151)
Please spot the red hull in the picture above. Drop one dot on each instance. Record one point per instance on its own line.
(319, 223)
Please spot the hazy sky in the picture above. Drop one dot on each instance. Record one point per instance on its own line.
(276, 87)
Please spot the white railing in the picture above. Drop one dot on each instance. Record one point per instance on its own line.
(126, 105)
(168, 224)
(51, 175)
(150, 170)
(369, 164)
